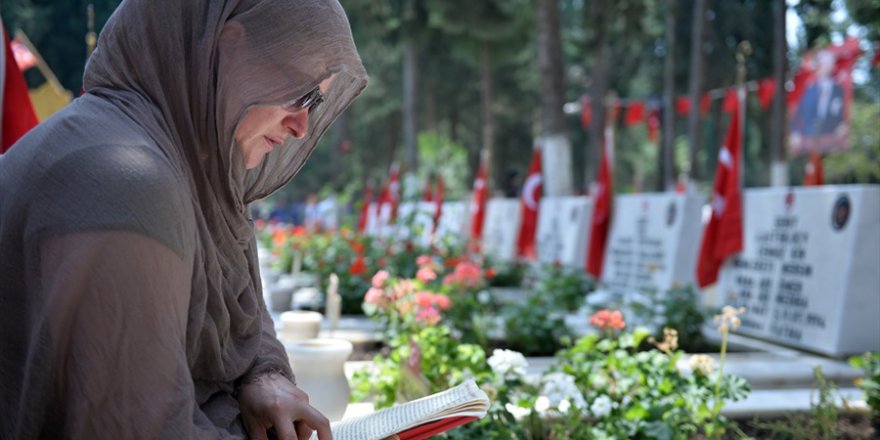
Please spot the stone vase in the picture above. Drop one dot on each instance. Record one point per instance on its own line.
(319, 366)
(299, 325)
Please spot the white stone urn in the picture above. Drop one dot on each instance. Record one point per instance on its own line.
(319, 366)
(299, 325)
(280, 292)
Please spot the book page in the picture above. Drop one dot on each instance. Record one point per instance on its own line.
(466, 399)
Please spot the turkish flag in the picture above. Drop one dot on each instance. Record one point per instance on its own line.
(18, 112)
(586, 112)
(478, 203)
(365, 209)
(438, 201)
(602, 210)
(723, 235)
(729, 105)
(814, 175)
(390, 193)
(683, 105)
(531, 198)
(766, 90)
(635, 113)
(427, 193)
(653, 124)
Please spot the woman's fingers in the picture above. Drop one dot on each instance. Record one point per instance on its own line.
(284, 427)
(255, 430)
(303, 431)
(315, 420)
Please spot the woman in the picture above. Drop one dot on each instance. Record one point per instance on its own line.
(130, 303)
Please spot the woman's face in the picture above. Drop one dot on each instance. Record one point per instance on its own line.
(264, 128)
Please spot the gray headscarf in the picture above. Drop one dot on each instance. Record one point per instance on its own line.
(167, 86)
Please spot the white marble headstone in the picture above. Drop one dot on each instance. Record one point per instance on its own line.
(501, 228)
(454, 222)
(809, 273)
(415, 221)
(653, 242)
(563, 230)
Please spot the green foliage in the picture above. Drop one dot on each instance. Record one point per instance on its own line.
(627, 393)
(565, 287)
(819, 423)
(677, 308)
(535, 327)
(870, 384)
(861, 162)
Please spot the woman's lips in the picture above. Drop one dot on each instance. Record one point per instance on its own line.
(271, 143)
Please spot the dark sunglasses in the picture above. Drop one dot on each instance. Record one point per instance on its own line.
(310, 100)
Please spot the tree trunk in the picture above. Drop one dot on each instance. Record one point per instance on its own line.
(599, 88)
(696, 85)
(779, 168)
(556, 153)
(668, 175)
(409, 104)
(486, 108)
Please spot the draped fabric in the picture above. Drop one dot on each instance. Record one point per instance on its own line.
(130, 303)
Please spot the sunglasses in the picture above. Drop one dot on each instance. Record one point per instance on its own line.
(310, 100)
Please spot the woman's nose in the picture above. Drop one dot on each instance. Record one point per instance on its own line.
(296, 123)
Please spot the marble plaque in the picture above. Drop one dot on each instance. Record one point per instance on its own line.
(809, 273)
(653, 243)
(454, 222)
(563, 230)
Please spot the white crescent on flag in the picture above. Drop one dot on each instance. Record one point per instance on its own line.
(532, 185)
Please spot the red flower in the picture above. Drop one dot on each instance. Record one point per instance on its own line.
(452, 262)
(357, 247)
(489, 273)
(358, 267)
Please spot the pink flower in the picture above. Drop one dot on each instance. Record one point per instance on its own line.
(606, 318)
(442, 301)
(380, 278)
(374, 295)
(425, 299)
(426, 274)
(424, 260)
(429, 316)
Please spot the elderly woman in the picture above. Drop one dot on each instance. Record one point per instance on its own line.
(130, 302)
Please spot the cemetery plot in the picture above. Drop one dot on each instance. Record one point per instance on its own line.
(563, 230)
(809, 274)
(653, 243)
(500, 228)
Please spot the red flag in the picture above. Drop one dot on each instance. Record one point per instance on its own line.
(18, 114)
(705, 104)
(723, 235)
(814, 175)
(478, 203)
(427, 195)
(438, 201)
(531, 198)
(635, 113)
(683, 105)
(365, 209)
(730, 101)
(390, 192)
(654, 126)
(602, 209)
(766, 90)
(586, 112)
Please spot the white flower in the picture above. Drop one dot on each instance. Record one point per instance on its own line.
(601, 407)
(517, 411)
(684, 368)
(702, 363)
(484, 297)
(562, 392)
(542, 404)
(508, 361)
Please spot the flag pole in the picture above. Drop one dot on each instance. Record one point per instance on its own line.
(743, 51)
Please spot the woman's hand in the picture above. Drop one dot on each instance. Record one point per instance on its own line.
(272, 401)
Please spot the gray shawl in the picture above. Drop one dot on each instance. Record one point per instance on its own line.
(130, 303)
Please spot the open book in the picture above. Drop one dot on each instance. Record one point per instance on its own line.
(418, 419)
